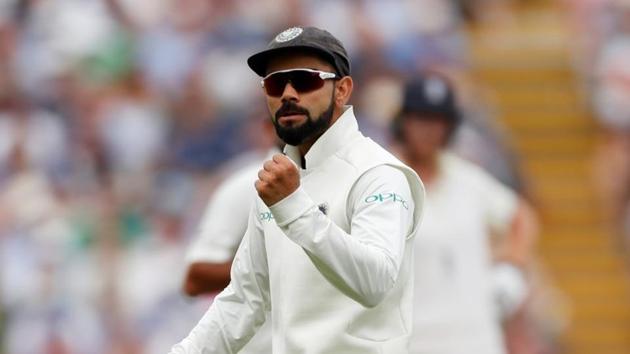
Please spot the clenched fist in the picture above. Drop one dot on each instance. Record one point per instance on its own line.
(277, 180)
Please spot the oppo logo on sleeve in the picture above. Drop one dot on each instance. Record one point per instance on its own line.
(386, 197)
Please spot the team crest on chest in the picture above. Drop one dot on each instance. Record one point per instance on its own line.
(288, 34)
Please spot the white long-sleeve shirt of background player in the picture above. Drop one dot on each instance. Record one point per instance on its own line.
(454, 309)
(224, 220)
(332, 290)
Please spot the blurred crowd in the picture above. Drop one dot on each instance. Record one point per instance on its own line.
(603, 60)
(118, 118)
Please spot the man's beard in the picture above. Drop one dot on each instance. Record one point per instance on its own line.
(311, 129)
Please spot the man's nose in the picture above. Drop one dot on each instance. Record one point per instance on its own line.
(289, 93)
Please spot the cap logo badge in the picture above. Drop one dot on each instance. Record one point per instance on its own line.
(435, 90)
(288, 34)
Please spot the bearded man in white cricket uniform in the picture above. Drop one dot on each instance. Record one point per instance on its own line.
(328, 249)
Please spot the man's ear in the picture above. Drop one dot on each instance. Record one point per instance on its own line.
(343, 91)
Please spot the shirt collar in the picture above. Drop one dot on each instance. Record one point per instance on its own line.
(330, 142)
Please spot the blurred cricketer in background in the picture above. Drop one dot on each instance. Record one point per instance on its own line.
(464, 282)
(328, 248)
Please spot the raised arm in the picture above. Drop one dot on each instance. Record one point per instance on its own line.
(365, 263)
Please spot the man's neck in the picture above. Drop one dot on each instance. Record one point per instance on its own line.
(426, 167)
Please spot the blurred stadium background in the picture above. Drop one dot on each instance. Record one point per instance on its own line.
(118, 118)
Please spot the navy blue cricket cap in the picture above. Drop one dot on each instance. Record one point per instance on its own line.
(430, 96)
(313, 39)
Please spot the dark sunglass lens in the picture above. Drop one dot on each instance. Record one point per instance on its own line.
(306, 81)
(302, 81)
(274, 84)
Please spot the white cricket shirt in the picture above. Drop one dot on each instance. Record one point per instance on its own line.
(332, 261)
(454, 311)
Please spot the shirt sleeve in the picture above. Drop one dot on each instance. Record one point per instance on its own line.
(225, 220)
(365, 263)
(239, 310)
